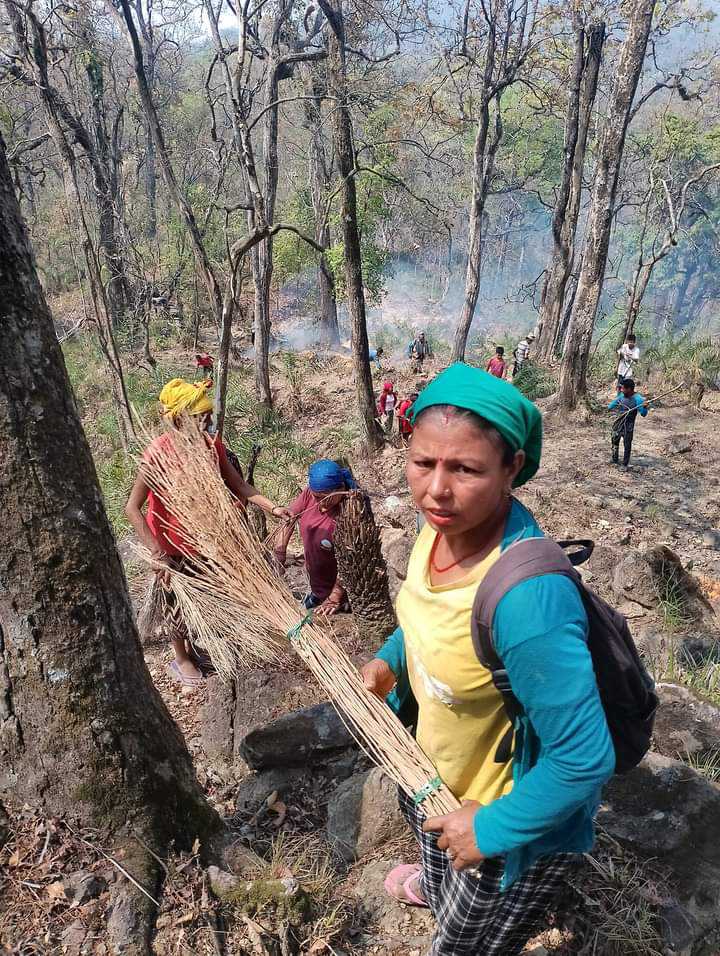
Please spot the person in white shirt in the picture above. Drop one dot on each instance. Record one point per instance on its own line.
(628, 353)
(521, 352)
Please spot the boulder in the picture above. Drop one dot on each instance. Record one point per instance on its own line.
(396, 546)
(645, 578)
(679, 445)
(217, 717)
(685, 725)
(254, 789)
(234, 708)
(363, 815)
(711, 539)
(666, 811)
(304, 736)
(394, 925)
(632, 581)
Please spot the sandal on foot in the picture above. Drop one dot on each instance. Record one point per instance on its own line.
(177, 675)
(398, 884)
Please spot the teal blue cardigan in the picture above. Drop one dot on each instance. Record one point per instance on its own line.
(563, 752)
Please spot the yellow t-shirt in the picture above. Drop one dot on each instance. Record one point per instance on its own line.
(461, 717)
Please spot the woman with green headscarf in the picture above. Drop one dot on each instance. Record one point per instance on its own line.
(491, 869)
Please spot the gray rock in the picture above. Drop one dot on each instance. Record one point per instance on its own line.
(242, 861)
(296, 739)
(632, 581)
(217, 717)
(679, 445)
(664, 810)
(254, 789)
(700, 649)
(363, 814)
(711, 539)
(685, 725)
(82, 886)
(396, 546)
(394, 925)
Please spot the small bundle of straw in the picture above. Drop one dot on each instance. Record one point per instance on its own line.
(231, 566)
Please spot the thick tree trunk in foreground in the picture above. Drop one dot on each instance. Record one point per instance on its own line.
(573, 371)
(345, 149)
(583, 88)
(83, 732)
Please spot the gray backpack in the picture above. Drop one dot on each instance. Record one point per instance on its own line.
(626, 689)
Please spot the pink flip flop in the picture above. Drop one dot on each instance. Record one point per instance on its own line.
(180, 678)
(397, 884)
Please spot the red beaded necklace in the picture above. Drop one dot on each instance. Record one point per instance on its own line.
(454, 564)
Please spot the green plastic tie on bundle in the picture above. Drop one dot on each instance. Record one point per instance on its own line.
(424, 792)
(294, 632)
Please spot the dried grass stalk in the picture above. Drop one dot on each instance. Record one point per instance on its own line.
(259, 611)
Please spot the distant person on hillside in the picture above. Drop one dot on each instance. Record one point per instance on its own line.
(375, 355)
(315, 511)
(386, 405)
(521, 352)
(161, 532)
(204, 365)
(628, 354)
(497, 364)
(404, 415)
(628, 404)
(418, 351)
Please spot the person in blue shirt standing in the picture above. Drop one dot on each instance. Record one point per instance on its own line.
(629, 403)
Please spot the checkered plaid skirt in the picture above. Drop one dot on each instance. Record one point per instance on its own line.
(473, 917)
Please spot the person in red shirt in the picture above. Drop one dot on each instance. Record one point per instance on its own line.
(497, 365)
(404, 423)
(386, 405)
(315, 511)
(161, 532)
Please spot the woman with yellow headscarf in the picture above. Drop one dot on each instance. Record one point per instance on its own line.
(161, 532)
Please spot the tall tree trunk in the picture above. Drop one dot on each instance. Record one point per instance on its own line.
(106, 187)
(583, 89)
(573, 370)
(58, 117)
(263, 252)
(482, 169)
(319, 176)
(177, 197)
(345, 151)
(83, 732)
(679, 300)
(505, 51)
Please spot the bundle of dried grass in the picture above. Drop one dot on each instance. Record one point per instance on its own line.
(231, 568)
(362, 569)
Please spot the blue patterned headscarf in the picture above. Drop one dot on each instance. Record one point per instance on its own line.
(326, 475)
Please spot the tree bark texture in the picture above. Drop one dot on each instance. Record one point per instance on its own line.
(59, 118)
(83, 732)
(319, 176)
(573, 370)
(583, 89)
(345, 151)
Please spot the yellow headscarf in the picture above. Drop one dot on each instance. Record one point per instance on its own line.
(179, 396)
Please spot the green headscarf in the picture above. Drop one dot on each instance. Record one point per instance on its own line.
(516, 418)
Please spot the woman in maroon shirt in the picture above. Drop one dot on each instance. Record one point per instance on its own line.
(315, 511)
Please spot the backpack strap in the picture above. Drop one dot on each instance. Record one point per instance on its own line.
(525, 559)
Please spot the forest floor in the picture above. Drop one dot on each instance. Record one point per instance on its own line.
(670, 494)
